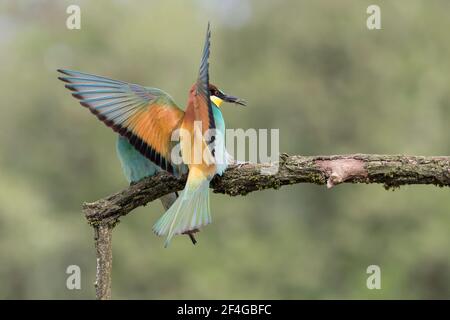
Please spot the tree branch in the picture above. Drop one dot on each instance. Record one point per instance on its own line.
(390, 170)
(103, 246)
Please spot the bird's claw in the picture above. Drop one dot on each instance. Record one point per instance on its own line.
(240, 164)
(190, 233)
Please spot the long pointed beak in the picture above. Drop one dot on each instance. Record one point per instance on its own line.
(232, 99)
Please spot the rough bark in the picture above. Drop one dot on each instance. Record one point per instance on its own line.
(103, 246)
(389, 170)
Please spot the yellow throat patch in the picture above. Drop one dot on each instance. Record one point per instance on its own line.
(217, 101)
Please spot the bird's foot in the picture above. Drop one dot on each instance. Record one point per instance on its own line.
(239, 164)
(190, 233)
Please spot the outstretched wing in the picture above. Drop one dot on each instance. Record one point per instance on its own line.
(145, 116)
(202, 102)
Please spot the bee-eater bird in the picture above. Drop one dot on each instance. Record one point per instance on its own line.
(136, 167)
(148, 117)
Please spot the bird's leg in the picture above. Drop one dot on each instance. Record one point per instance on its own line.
(239, 163)
(235, 162)
(191, 235)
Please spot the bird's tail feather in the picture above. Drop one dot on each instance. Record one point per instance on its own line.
(188, 213)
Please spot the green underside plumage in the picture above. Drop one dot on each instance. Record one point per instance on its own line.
(135, 166)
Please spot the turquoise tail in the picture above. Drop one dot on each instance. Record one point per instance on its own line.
(189, 212)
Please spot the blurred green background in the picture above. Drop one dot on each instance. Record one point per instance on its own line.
(310, 68)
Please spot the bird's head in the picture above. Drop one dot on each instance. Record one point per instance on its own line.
(218, 96)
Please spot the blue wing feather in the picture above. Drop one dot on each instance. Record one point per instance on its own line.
(135, 166)
(116, 103)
